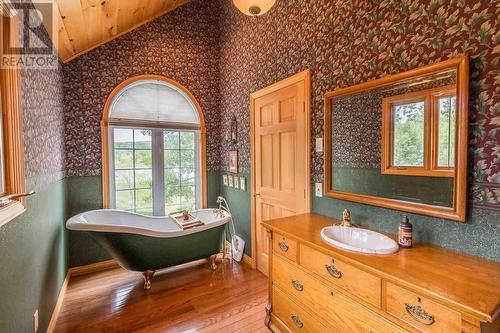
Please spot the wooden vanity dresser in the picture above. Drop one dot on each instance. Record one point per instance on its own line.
(314, 287)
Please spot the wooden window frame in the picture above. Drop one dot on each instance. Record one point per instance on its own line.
(430, 168)
(458, 211)
(12, 122)
(105, 135)
(447, 171)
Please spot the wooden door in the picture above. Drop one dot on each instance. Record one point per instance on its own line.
(280, 160)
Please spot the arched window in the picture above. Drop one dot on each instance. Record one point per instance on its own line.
(153, 147)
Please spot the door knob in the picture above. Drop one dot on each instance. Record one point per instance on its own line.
(257, 194)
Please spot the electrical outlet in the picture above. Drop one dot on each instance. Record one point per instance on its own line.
(319, 144)
(35, 321)
(319, 189)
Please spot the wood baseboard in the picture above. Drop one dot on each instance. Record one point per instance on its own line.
(57, 308)
(249, 261)
(98, 266)
(76, 271)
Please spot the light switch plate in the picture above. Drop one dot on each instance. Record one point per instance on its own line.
(319, 189)
(319, 144)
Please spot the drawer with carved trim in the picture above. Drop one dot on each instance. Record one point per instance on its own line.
(420, 312)
(285, 246)
(294, 316)
(336, 310)
(356, 281)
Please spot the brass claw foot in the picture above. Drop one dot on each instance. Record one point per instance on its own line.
(212, 262)
(148, 277)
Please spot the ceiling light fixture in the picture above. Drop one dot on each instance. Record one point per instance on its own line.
(254, 7)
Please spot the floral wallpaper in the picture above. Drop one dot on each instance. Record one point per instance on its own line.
(347, 42)
(43, 122)
(182, 45)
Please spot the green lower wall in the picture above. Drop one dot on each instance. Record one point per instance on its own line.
(477, 237)
(239, 203)
(370, 181)
(84, 194)
(33, 260)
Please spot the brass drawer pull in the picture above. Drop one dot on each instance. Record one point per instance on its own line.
(297, 285)
(283, 246)
(419, 314)
(333, 271)
(297, 321)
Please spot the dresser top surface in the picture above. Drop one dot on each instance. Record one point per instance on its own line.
(469, 284)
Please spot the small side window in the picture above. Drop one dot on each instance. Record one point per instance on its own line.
(446, 122)
(418, 133)
(409, 133)
(11, 132)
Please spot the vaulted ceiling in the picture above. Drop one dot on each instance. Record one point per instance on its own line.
(83, 25)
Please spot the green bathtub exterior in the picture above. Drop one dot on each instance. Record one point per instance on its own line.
(142, 253)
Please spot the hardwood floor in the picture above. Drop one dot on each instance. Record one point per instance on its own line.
(193, 299)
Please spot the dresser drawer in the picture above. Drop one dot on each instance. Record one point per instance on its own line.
(335, 309)
(285, 246)
(421, 312)
(294, 316)
(358, 282)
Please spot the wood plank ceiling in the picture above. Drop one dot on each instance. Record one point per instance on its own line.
(86, 24)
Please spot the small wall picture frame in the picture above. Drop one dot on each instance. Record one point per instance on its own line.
(230, 181)
(224, 180)
(234, 130)
(243, 184)
(233, 161)
(237, 182)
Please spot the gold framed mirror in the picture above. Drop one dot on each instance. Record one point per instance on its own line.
(400, 141)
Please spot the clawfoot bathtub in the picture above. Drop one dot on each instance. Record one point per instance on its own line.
(146, 244)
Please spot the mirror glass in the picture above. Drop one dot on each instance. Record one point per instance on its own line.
(397, 141)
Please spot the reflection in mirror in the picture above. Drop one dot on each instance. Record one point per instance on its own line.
(397, 141)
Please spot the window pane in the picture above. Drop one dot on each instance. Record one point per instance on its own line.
(144, 179)
(172, 209)
(143, 199)
(124, 179)
(188, 206)
(123, 138)
(154, 100)
(187, 158)
(408, 129)
(143, 158)
(125, 200)
(145, 211)
(187, 176)
(447, 119)
(172, 158)
(172, 195)
(188, 195)
(172, 177)
(187, 140)
(142, 139)
(171, 139)
(124, 159)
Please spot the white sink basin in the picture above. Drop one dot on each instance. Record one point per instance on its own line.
(358, 240)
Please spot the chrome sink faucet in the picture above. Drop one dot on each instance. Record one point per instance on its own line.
(346, 219)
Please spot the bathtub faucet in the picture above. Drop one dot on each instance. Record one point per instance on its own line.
(223, 207)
